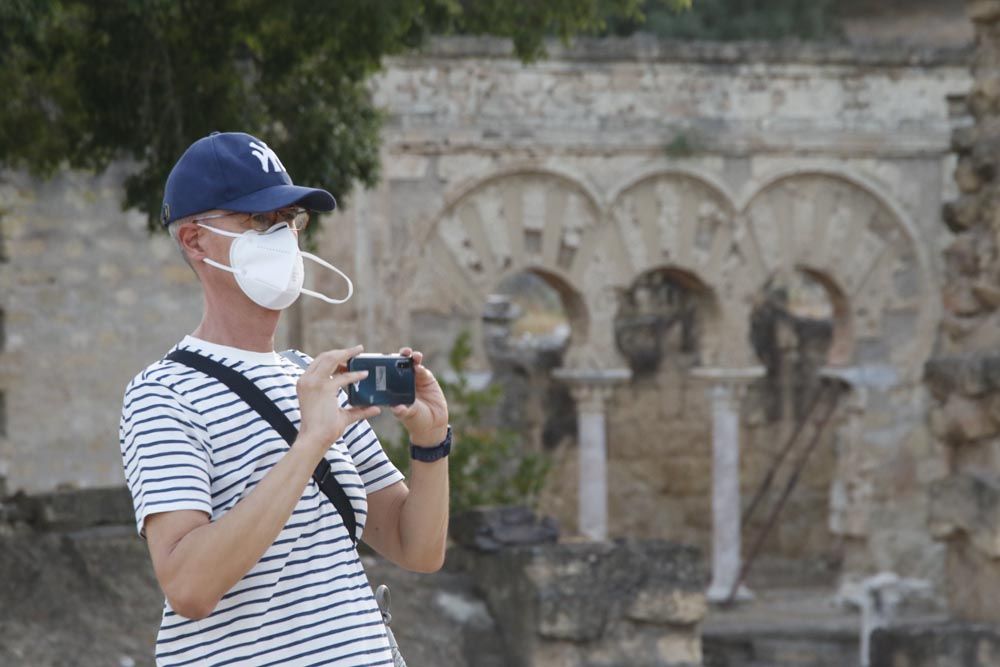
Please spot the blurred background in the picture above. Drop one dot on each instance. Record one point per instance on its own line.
(713, 287)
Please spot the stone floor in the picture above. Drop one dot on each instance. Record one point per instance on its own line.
(783, 628)
(791, 627)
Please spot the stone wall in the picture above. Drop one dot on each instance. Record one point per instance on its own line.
(619, 159)
(729, 165)
(964, 377)
(954, 645)
(90, 297)
(72, 568)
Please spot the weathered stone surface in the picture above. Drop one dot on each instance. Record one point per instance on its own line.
(964, 419)
(937, 645)
(73, 510)
(634, 601)
(968, 504)
(967, 176)
(965, 507)
(963, 139)
(491, 529)
(972, 582)
(439, 619)
(514, 606)
(61, 591)
(985, 11)
(671, 607)
(969, 374)
(961, 214)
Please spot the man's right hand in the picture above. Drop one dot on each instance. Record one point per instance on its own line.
(323, 420)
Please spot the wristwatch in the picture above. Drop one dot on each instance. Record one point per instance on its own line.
(431, 454)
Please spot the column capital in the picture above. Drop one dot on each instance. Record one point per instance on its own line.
(983, 11)
(591, 388)
(728, 383)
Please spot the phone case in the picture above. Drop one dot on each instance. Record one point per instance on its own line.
(390, 380)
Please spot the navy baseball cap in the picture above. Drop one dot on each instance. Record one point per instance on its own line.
(234, 171)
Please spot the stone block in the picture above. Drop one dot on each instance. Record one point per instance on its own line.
(963, 139)
(75, 510)
(670, 607)
(962, 420)
(984, 11)
(962, 255)
(962, 213)
(966, 177)
(959, 299)
(591, 594)
(983, 161)
(491, 529)
(679, 650)
(405, 167)
(937, 645)
(967, 504)
(973, 582)
(987, 293)
(61, 591)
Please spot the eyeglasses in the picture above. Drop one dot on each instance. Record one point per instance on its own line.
(297, 219)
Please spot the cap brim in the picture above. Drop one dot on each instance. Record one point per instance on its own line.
(280, 196)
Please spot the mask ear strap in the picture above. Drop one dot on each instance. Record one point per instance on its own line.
(212, 262)
(224, 232)
(350, 285)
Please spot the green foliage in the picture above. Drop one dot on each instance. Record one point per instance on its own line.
(683, 144)
(488, 466)
(737, 20)
(87, 82)
(529, 22)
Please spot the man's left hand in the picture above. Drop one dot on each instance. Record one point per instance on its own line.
(426, 418)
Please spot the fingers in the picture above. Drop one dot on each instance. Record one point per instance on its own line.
(341, 380)
(402, 411)
(425, 377)
(357, 414)
(418, 357)
(326, 364)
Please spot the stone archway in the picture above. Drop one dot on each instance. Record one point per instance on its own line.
(531, 220)
(843, 231)
(680, 225)
(666, 220)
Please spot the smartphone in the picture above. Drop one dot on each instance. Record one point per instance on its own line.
(390, 380)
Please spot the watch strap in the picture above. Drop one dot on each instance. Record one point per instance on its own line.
(431, 454)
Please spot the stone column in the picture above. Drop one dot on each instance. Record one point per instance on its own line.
(726, 390)
(591, 390)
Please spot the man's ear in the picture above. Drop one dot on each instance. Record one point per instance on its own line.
(189, 236)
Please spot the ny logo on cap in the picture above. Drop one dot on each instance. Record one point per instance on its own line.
(267, 157)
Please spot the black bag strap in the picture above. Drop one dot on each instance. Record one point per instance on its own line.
(265, 407)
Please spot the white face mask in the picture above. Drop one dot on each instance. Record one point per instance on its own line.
(268, 266)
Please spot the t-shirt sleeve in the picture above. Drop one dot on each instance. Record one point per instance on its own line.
(374, 467)
(164, 452)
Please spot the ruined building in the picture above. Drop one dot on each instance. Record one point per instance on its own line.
(684, 208)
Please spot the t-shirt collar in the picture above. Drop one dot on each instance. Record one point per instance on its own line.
(230, 353)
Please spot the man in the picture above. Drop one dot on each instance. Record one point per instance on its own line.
(255, 561)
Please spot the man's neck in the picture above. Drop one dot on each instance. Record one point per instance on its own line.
(239, 323)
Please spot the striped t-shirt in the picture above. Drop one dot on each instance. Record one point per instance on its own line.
(189, 443)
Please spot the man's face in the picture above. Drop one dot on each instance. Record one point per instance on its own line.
(217, 246)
